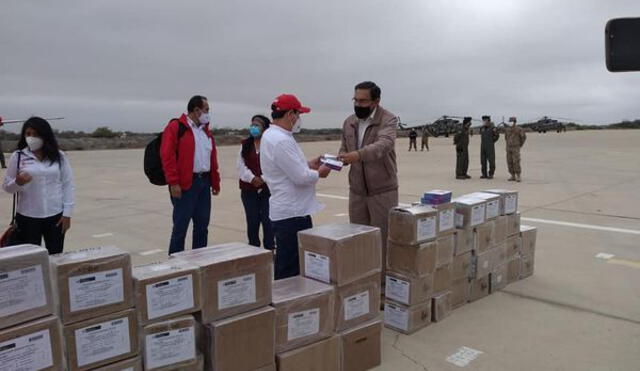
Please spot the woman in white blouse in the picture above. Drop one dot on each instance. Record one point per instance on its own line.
(40, 174)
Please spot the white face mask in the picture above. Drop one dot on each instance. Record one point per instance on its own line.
(34, 143)
(297, 126)
(204, 118)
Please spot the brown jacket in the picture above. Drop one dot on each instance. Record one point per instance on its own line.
(515, 136)
(377, 170)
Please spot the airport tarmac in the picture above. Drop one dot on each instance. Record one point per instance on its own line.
(577, 312)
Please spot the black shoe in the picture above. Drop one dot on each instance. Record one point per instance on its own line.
(484, 177)
(461, 177)
(467, 176)
(490, 177)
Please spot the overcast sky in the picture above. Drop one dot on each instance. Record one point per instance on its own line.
(132, 65)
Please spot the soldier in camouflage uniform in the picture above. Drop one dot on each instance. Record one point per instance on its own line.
(515, 138)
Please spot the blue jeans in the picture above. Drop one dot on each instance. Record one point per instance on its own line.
(195, 204)
(256, 210)
(287, 257)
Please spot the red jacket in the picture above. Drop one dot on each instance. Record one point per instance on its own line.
(180, 170)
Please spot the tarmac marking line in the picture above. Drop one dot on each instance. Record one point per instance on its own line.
(604, 255)
(583, 226)
(150, 252)
(341, 214)
(102, 235)
(336, 197)
(625, 262)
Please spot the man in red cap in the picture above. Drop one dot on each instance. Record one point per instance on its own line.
(292, 181)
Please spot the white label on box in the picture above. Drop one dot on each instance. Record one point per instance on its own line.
(28, 352)
(102, 341)
(426, 228)
(493, 209)
(396, 317)
(499, 278)
(96, 289)
(21, 290)
(317, 266)
(237, 291)
(510, 204)
(477, 214)
(170, 347)
(356, 305)
(170, 296)
(463, 356)
(160, 267)
(446, 220)
(397, 289)
(459, 220)
(303, 324)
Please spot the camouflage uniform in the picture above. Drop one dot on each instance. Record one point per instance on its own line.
(515, 138)
(425, 139)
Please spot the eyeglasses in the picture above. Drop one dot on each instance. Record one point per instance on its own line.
(361, 101)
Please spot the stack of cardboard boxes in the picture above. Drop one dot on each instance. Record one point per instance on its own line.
(30, 335)
(93, 289)
(238, 323)
(348, 257)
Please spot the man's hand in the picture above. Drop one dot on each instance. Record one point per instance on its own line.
(315, 163)
(175, 191)
(23, 178)
(215, 192)
(324, 171)
(257, 182)
(350, 157)
(64, 223)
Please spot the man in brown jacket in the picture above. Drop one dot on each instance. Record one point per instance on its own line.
(368, 145)
(515, 138)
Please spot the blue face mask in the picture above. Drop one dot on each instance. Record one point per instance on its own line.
(255, 131)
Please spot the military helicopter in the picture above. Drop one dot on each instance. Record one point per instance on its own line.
(442, 126)
(546, 123)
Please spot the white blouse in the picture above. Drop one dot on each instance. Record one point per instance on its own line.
(51, 190)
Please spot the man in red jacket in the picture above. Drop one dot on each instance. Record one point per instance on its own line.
(190, 165)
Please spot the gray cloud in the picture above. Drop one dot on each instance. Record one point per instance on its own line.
(133, 65)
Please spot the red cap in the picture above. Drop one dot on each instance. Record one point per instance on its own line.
(286, 102)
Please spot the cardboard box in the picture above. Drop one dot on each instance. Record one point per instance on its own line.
(442, 279)
(479, 288)
(102, 340)
(91, 282)
(35, 345)
(528, 237)
(340, 253)
(243, 342)
(165, 290)
(514, 245)
(501, 255)
(441, 306)
(470, 212)
(513, 269)
(492, 209)
(357, 302)
(131, 364)
(321, 355)
(445, 246)
(25, 285)
(459, 292)
(483, 238)
(526, 268)
(464, 241)
(500, 229)
(169, 344)
(271, 367)
(446, 218)
(513, 224)
(407, 319)
(361, 347)
(413, 225)
(408, 290)
(436, 197)
(508, 200)
(498, 278)
(236, 278)
(461, 266)
(304, 312)
(482, 264)
(416, 260)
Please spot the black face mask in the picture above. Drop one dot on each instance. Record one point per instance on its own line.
(362, 112)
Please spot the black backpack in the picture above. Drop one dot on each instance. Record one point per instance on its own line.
(152, 161)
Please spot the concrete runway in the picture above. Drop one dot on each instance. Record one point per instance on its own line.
(577, 312)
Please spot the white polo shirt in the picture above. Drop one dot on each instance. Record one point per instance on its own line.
(286, 171)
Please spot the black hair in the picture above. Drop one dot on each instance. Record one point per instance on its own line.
(41, 126)
(197, 101)
(466, 120)
(374, 90)
(249, 144)
(276, 114)
(486, 118)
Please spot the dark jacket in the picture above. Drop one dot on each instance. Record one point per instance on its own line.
(461, 139)
(489, 135)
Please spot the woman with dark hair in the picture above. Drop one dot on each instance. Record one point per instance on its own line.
(253, 189)
(40, 176)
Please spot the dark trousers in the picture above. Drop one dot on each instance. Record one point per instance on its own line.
(488, 155)
(287, 257)
(32, 230)
(412, 144)
(256, 211)
(462, 162)
(195, 204)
